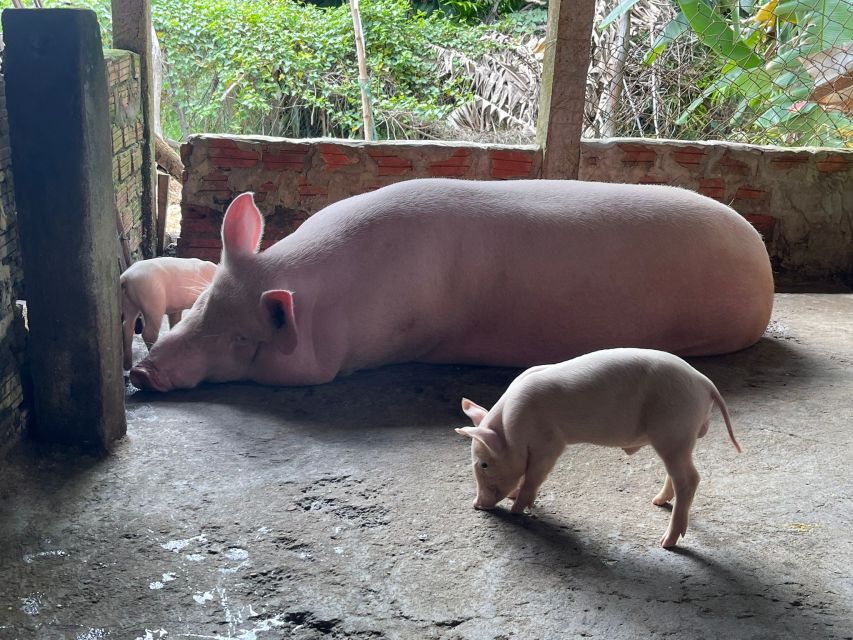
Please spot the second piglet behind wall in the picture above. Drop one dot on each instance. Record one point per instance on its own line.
(625, 398)
(156, 288)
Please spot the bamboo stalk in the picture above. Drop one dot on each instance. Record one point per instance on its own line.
(367, 114)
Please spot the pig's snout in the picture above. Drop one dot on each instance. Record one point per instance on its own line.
(146, 378)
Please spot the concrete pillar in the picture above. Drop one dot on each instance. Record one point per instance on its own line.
(564, 71)
(132, 31)
(56, 95)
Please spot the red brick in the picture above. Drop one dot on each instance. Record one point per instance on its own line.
(456, 165)
(394, 170)
(234, 154)
(511, 155)
(632, 153)
(207, 243)
(195, 211)
(288, 159)
(234, 163)
(652, 180)
(392, 161)
(198, 225)
(833, 162)
(216, 192)
(312, 190)
(763, 224)
(335, 156)
(288, 155)
(511, 168)
(187, 251)
(215, 176)
(732, 166)
(688, 156)
(221, 143)
(784, 162)
(750, 193)
(443, 171)
(712, 187)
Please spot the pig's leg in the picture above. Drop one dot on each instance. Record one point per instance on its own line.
(174, 318)
(127, 340)
(666, 494)
(514, 493)
(685, 479)
(534, 476)
(129, 313)
(151, 329)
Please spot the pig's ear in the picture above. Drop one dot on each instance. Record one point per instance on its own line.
(242, 226)
(493, 440)
(277, 307)
(473, 411)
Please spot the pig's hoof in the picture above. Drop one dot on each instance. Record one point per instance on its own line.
(670, 539)
(661, 499)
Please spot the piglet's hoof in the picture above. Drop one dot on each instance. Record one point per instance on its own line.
(670, 539)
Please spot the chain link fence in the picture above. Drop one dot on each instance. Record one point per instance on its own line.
(780, 72)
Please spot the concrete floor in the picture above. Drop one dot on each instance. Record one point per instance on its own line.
(343, 511)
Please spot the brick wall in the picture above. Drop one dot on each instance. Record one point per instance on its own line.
(801, 200)
(126, 116)
(294, 179)
(13, 411)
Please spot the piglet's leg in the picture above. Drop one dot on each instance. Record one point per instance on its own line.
(174, 318)
(514, 493)
(666, 494)
(534, 476)
(685, 479)
(151, 330)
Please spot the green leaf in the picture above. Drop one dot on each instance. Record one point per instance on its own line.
(624, 7)
(714, 32)
(673, 30)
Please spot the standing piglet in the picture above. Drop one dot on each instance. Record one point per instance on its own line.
(624, 398)
(157, 287)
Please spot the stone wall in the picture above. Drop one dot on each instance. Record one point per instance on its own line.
(800, 200)
(123, 82)
(13, 411)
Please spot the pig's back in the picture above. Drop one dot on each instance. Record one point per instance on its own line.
(525, 272)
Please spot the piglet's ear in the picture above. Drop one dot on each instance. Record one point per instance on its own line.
(242, 227)
(493, 440)
(277, 307)
(473, 411)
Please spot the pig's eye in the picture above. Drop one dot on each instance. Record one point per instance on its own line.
(239, 338)
(484, 465)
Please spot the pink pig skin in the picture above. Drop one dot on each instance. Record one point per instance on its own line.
(624, 398)
(158, 287)
(501, 273)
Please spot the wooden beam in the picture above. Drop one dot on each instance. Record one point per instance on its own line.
(61, 146)
(564, 72)
(162, 210)
(132, 31)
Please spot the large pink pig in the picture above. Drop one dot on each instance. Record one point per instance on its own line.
(502, 273)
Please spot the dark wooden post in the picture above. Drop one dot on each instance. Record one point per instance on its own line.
(564, 72)
(56, 95)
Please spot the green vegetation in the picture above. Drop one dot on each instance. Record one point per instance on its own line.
(470, 69)
(756, 86)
